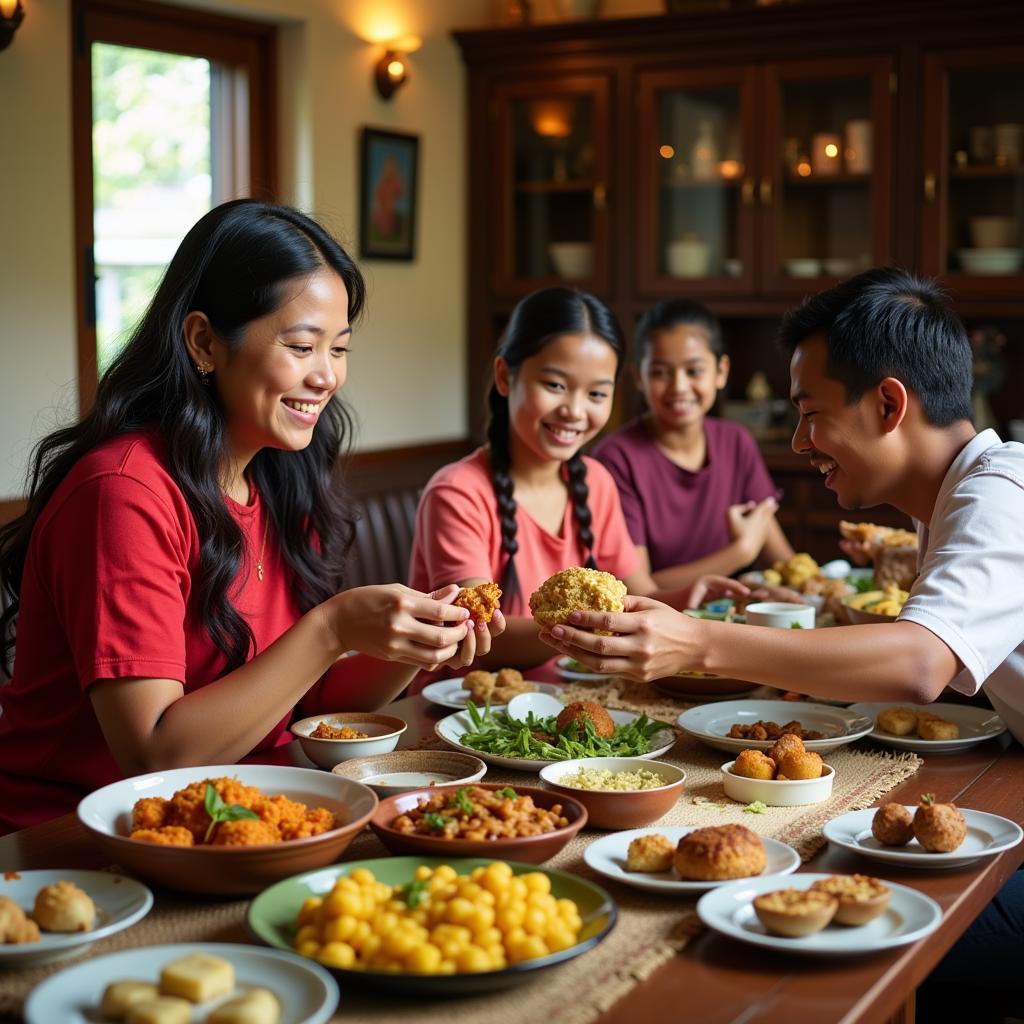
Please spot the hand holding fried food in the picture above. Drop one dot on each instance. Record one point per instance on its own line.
(651, 853)
(719, 852)
(794, 913)
(575, 589)
(939, 828)
(480, 601)
(893, 825)
(861, 897)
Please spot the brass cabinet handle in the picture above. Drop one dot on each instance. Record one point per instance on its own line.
(747, 192)
(765, 192)
(929, 187)
(600, 196)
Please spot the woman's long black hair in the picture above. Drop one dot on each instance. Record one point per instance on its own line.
(238, 263)
(536, 321)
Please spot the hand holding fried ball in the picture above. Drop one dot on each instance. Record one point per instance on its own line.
(480, 601)
(892, 825)
(939, 828)
(575, 589)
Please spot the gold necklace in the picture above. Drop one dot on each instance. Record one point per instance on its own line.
(263, 551)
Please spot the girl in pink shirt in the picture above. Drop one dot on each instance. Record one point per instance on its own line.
(529, 504)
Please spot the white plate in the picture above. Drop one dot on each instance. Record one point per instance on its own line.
(607, 856)
(976, 726)
(987, 835)
(450, 694)
(711, 723)
(120, 902)
(306, 992)
(563, 666)
(730, 910)
(452, 728)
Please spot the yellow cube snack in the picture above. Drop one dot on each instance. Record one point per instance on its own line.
(161, 1010)
(256, 1006)
(120, 996)
(197, 977)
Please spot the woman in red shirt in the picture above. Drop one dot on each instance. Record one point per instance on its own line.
(175, 579)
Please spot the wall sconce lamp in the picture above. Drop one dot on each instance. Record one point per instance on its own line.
(11, 15)
(392, 70)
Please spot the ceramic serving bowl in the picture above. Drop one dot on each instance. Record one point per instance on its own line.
(990, 261)
(572, 259)
(226, 870)
(803, 267)
(383, 732)
(781, 614)
(778, 792)
(402, 770)
(530, 849)
(615, 808)
(861, 616)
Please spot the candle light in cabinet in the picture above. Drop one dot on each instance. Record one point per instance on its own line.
(825, 153)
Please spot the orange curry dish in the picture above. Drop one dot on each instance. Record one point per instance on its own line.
(326, 731)
(247, 817)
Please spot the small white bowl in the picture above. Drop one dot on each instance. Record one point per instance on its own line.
(776, 792)
(781, 614)
(383, 732)
(990, 261)
(402, 770)
(573, 260)
(803, 267)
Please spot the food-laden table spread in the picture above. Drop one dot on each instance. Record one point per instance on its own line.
(663, 960)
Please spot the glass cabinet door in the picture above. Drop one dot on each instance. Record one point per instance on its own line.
(973, 187)
(696, 183)
(552, 186)
(825, 188)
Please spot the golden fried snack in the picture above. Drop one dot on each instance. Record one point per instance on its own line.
(939, 828)
(582, 711)
(804, 764)
(575, 589)
(480, 601)
(718, 852)
(149, 812)
(794, 913)
(168, 835)
(861, 897)
(509, 683)
(16, 928)
(326, 731)
(897, 721)
(480, 685)
(63, 907)
(652, 853)
(244, 832)
(788, 742)
(931, 727)
(753, 764)
(893, 825)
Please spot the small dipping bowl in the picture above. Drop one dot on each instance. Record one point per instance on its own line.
(619, 808)
(402, 770)
(383, 733)
(778, 792)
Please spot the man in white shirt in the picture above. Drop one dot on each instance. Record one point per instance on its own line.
(880, 374)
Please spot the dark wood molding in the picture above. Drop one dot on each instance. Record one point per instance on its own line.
(405, 467)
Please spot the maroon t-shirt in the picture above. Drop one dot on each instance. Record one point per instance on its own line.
(677, 515)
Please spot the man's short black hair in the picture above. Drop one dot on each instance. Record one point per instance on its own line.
(888, 323)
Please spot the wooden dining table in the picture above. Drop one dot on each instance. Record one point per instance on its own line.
(716, 979)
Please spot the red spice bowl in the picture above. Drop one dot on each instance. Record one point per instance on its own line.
(531, 849)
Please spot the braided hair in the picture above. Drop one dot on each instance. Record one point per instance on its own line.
(537, 320)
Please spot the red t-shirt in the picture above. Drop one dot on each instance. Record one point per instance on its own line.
(108, 593)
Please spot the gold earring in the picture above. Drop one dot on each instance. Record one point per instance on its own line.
(205, 369)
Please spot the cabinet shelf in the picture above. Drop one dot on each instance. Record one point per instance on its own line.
(554, 187)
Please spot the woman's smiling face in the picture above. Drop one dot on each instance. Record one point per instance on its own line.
(559, 398)
(275, 384)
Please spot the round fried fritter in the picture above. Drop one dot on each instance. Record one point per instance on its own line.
(581, 711)
(931, 727)
(652, 853)
(481, 601)
(16, 927)
(753, 764)
(802, 764)
(897, 721)
(575, 589)
(788, 742)
(939, 828)
(718, 852)
(63, 907)
(893, 825)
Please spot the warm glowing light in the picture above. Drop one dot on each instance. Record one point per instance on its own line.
(730, 168)
(803, 169)
(832, 151)
(667, 152)
(552, 119)
(396, 69)
(7, 7)
(406, 44)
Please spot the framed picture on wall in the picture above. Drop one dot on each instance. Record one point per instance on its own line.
(387, 195)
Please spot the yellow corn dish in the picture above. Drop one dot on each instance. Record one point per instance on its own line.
(881, 602)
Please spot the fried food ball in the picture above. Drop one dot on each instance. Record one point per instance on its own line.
(63, 907)
(16, 928)
(754, 764)
(718, 852)
(575, 589)
(169, 835)
(893, 825)
(481, 601)
(788, 742)
(931, 727)
(582, 711)
(651, 853)
(149, 812)
(897, 721)
(802, 764)
(244, 832)
(939, 828)
(480, 685)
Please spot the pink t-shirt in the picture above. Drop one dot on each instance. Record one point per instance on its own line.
(678, 515)
(458, 533)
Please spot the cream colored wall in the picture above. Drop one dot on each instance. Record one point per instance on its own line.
(406, 378)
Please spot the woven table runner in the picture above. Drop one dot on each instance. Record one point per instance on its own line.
(650, 930)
